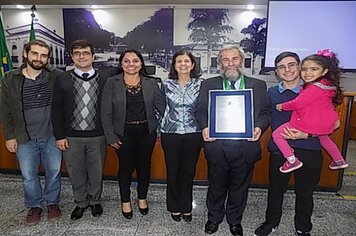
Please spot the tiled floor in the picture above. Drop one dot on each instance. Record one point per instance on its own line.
(333, 215)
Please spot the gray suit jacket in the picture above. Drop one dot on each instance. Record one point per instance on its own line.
(113, 106)
(261, 109)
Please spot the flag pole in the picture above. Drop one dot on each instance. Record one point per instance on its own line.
(32, 30)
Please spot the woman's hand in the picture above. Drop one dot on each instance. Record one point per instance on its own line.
(116, 145)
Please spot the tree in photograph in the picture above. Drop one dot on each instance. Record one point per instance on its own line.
(255, 39)
(154, 36)
(80, 23)
(209, 27)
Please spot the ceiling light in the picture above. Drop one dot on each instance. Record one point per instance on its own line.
(94, 6)
(20, 6)
(250, 7)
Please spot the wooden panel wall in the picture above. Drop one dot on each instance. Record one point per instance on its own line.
(329, 179)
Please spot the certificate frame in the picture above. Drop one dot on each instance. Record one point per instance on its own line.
(242, 115)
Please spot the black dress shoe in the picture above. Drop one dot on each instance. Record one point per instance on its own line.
(236, 229)
(176, 217)
(77, 213)
(96, 210)
(211, 227)
(187, 218)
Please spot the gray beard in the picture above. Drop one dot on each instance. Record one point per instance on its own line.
(230, 75)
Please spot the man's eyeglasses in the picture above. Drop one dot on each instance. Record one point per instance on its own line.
(289, 66)
(84, 54)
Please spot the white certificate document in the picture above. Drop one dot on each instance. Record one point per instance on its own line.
(230, 114)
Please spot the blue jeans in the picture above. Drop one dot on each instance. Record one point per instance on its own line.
(30, 156)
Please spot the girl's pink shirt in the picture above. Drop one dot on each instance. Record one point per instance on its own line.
(313, 110)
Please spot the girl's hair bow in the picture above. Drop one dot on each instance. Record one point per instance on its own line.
(326, 53)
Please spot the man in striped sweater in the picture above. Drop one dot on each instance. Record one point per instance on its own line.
(25, 110)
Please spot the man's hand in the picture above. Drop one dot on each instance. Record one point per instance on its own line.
(62, 144)
(256, 134)
(205, 133)
(292, 133)
(11, 145)
(337, 124)
(116, 145)
(279, 107)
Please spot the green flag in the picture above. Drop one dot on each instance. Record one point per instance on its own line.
(32, 32)
(5, 59)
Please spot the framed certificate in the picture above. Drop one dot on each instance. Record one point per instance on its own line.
(230, 114)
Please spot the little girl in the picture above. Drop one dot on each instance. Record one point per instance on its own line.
(314, 109)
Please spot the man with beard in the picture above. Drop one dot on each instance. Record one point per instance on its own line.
(77, 127)
(230, 162)
(25, 111)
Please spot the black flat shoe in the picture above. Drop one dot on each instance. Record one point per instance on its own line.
(127, 215)
(176, 217)
(77, 213)
(187, 218)
(211, 227)
(96, 210)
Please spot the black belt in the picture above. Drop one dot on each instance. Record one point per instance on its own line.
(137, 122)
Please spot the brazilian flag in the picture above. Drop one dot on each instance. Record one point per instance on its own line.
(5, 59)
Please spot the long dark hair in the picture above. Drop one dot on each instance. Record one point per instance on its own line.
(331, 63)
(194, 73)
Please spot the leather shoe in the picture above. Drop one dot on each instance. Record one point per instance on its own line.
(77, 213)
(127, 215)
(143, 211)
(211, 227)
(236, 229)
(187, 217)
(96, 210)
(176, 217)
